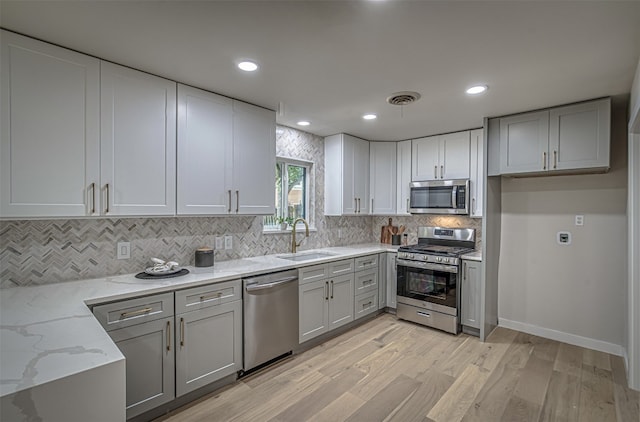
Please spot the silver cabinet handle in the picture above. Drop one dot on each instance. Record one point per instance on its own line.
(168, 336)
(473, 205)
(407, 204)
(237, 201)
(371, 210)
(106, 209)
(331, 289)
(464, 270)
(216, 295)
(435, 172)
(93, 198)
(544, 161)
(442, 172)
(326, 290)
(555, 159)
(181, 332)
(229, 210)
(355, 207)
(359, 205)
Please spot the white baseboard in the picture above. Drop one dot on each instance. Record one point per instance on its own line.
(589, 343)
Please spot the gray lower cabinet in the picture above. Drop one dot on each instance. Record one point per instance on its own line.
(208, 345)
(470, 313)
(143, 330)
(366, 286)
(392, 279)
(324, 304)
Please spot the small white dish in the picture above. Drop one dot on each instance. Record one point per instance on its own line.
(162, 271)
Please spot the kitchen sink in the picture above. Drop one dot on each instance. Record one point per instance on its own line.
(305, 256)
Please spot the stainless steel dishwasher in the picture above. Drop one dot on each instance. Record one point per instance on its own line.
(270, 317)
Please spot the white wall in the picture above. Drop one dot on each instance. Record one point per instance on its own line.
(633, 338)
(573, 293)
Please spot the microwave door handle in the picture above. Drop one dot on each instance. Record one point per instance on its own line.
(454, 196)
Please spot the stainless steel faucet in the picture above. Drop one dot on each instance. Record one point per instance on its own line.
(295, 245)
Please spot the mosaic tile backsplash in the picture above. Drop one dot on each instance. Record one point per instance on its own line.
(36, 252)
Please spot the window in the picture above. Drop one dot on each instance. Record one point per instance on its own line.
(292, 192)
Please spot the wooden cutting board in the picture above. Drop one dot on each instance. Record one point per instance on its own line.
(387, 231)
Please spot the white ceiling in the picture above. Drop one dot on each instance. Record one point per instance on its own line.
(330, 62)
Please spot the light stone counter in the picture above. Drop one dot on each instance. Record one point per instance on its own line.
(48, 335)
(473, 256)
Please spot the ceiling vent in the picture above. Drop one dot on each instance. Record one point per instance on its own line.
(403, 98)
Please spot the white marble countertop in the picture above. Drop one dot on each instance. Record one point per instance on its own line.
(48, 332)
(473, 256)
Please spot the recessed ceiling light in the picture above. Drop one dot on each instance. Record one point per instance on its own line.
(247, 66)
(477, 89)
(303, 123)
(369, 117)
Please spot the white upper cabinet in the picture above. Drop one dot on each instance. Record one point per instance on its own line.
(569, 138)
(403, 177)
(524, 142)
(138, 142)
(477, 173)
(49, 146)
(205, 152)
(346, 175)
(382, 177)
(254, 160)
(441, 157)
(579, 135)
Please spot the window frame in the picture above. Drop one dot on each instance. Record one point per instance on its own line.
(308, 193)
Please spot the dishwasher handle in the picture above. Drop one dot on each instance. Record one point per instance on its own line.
(255, 287)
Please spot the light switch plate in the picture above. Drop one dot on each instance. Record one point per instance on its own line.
(219, 242)
(228, 242)
(123, 250)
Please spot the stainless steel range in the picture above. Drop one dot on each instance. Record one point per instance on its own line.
(428, 282)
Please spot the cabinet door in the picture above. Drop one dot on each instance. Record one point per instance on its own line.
(403, 177)
(579, 136)
(382, 177)
(340, 300)
(425, 159)
(361, 175)
(477, 173)
(392, 279)
(208, 345)
(470, 312)
(49, 148)
(454, 155)
(366, 281)
(382, 280)
(205, 152)
(137, 142)
(254, 160)
(524, 143)
(349, 198)
(149, 353)
(365, 304)
(313, 302)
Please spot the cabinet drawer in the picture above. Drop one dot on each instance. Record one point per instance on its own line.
(134, 311)
(365, 304)
(366, 281)
(206, 296)
(313, 273)
(366, 262)
(341, 267)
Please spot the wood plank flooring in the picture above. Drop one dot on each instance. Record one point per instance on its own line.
(392, 370)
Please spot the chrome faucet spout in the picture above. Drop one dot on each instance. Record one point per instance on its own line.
(294, 245)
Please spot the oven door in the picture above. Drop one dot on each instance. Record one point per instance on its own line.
(432, 286)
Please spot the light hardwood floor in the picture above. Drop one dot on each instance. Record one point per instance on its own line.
(392, 370)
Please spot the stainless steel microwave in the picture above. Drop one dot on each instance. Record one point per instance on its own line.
(439, 197)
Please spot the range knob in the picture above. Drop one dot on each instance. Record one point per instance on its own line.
(445, 259)
(438, 259)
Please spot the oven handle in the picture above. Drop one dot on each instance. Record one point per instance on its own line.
(427, 266)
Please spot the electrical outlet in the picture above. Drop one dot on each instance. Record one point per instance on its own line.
(228, 242)
(339, 233)
(579, 220)
(123, 250)
(219, 242)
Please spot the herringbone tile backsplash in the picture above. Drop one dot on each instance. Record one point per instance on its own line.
(49, 251)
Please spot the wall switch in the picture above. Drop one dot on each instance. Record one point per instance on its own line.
(219, 242)
(123, 250)
(228, 242)
(579, 220)
(563, 238)
(339, 233)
